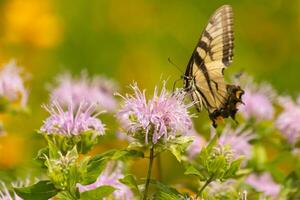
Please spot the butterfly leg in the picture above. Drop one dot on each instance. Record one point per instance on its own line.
(174, 85)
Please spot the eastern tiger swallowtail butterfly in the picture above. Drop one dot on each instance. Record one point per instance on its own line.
(204, 76)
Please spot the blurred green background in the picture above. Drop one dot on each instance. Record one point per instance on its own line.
(132, 40)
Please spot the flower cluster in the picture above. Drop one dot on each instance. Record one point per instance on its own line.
(72, 122)
(97, 90)
(288, 122)
(257, 100)
(12, 84)
(197, 144)
(264, 183)
(162, 116)
(238, 140)
(110, 176)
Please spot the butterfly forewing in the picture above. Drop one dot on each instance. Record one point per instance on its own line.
(212, 54)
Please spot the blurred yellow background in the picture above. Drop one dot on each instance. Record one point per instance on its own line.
(132, 40)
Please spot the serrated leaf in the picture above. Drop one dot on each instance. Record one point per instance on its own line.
(43, 190)
(98, 193)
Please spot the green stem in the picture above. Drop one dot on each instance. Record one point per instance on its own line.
(159, 167)
(204, 186)
(149, 173)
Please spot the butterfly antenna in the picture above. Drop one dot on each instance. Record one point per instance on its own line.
(176, 66)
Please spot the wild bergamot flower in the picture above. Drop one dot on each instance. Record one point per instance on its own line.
(264, 183)
(12, 84)
(160, 117)
(288, 121)
(72, 121)
(257, 100)
(95, 90)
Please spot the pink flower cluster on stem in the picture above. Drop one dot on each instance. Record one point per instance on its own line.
(257, 100)
(288, 121)
(12, 84)
(96, 90)
(238, 140)
(72, 122)
(197, 144)
(162, 116)
(264, 183)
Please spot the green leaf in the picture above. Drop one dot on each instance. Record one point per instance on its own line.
(53, 150)
(190, 170)
(165, 196)
(41, 156)
(127, 153)
(98, 193)
(218, 165)
(164, 188)
(42, 190)
(235, 165)
(178, 146)
(167, 193)
(131, 182)
(95, 166)
(176, 152)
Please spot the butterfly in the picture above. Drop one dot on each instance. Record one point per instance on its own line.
(204, 76)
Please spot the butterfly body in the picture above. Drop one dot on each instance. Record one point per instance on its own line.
(204, 76)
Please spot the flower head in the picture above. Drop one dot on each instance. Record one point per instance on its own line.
(257, 100)
(11, 84)
(238, 140)
(197, 144)
(97, 90)
(264, 183)
(110, 176)
(162, 116)
(71, 122)
(288, 121)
